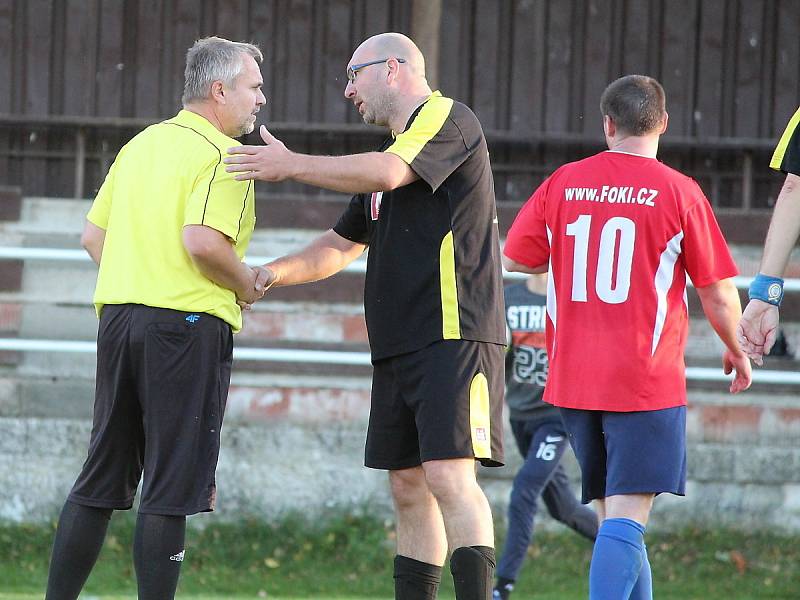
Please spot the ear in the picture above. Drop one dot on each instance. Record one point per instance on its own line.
(609, 127)
(394, 70)
(218, 92)
(664, 124)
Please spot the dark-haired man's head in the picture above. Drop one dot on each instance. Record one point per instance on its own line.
(636, 104)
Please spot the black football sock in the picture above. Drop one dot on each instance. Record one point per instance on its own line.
(473, 570)
(79, 537)
(415, 580)
(158, 555)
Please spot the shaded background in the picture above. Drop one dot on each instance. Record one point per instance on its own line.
(84, 75)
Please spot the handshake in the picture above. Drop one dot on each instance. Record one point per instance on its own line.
(260, 280)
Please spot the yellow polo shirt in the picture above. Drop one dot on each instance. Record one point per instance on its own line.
(168, 176)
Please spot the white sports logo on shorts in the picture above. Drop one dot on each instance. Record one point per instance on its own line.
(178, 557)
(480, 434)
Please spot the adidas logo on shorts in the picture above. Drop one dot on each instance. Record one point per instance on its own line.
(178, 557)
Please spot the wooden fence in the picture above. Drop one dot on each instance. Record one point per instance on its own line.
(83, 75)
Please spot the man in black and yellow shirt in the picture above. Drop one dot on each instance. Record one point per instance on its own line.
(168, 230)
(758, 328)
(425, 207)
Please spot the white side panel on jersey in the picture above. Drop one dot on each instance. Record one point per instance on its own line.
(663, 282)
(551, 288)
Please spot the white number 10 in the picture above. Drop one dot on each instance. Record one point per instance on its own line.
(611, 292)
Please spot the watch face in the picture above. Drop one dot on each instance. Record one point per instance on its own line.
(774, 292)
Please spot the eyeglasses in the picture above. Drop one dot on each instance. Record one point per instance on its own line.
(353, 70)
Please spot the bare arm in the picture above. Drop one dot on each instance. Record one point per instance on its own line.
(354, 173)
(513, 266)
(326, 255)
(784, 229)
(213, 254)
(758, 327)
(92, 240)
(722, 308)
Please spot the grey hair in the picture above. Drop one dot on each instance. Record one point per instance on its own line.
(214, 59)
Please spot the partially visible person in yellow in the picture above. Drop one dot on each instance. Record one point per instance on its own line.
(168, 229)
(758, 328)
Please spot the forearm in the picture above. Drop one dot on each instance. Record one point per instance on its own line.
(95, 252)
(325, 256)
(353, 174)
(226, 270)
(783, 229)
(213, 255)
(93, 239)
(723, 310)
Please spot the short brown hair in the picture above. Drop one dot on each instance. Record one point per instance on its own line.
(636, 104)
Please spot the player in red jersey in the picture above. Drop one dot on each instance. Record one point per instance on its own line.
(619, 232)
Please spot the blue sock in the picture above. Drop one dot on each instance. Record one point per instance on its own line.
(643, 590)
(617, 559)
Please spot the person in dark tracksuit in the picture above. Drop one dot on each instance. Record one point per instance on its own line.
(538, 431)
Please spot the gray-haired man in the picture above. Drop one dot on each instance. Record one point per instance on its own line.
(168, 230)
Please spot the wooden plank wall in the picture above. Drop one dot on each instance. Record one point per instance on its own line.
(731, 69)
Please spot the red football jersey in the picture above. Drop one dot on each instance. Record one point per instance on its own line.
(621, 232)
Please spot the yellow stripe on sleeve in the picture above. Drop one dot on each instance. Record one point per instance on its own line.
(427, 124)
(780, 149)
(480, 417)
(451, 327)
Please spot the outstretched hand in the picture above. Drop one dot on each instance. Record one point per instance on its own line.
(272, 162)
(757, 330)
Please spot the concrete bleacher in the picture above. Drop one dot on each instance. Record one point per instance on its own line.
(293, 438)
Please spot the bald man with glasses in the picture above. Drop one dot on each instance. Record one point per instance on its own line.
(424, 205)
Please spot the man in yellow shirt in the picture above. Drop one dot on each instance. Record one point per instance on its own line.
(168, 230)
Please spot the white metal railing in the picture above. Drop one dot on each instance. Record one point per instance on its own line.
(351, 358)
(257, 354)
(358, 266)
(318, 356)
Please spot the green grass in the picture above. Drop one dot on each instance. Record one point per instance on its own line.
(350, 558)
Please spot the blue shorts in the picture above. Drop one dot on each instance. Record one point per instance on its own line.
(629, 452)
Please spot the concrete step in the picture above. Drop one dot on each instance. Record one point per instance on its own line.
(73, 283)
(316, 323)
(253, 396)
(301, 324)
(713, 417)
(285, 221)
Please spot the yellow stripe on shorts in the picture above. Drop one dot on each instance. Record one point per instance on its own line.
(480, 417)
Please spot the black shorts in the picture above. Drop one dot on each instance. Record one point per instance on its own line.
(162, 383)
(443, 401)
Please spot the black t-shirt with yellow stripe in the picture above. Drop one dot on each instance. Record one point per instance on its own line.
(787, 153)
(433, 270)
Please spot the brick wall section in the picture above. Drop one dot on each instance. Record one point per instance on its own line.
(10, 321)
(304, 326)
(300, 404)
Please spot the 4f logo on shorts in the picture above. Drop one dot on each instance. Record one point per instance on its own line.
(375, 205)
(480, 434)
